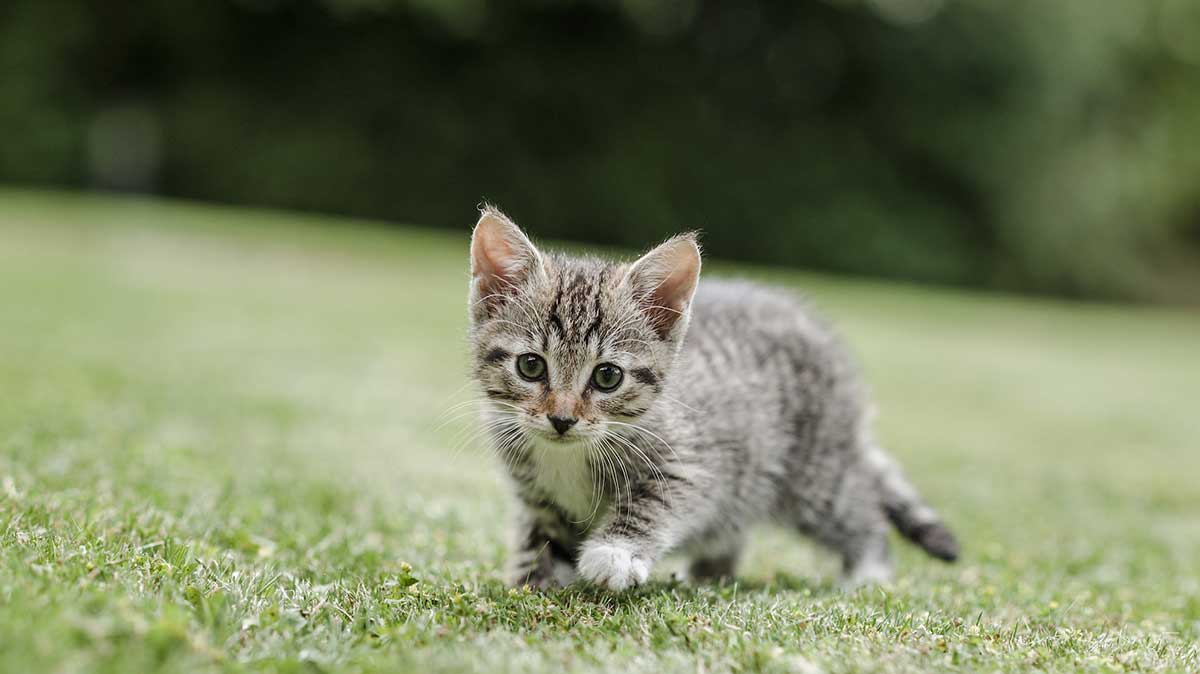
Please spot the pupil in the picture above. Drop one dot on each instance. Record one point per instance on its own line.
(530, 366)
(607, 376)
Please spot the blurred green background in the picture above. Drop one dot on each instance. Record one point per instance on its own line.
(1034, 146)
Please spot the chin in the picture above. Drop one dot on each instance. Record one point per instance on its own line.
(554, 441)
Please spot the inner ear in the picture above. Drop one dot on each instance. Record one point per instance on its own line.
(502, 261)
(663, 283)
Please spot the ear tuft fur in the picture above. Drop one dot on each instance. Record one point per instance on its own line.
(502, 260)
(664, 281)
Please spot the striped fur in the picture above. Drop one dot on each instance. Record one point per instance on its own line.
(737, 406)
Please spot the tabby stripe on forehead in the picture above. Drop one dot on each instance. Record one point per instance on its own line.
(579, 292)
(558, 325)
(595, 326)
(554, 319)
(576, 282)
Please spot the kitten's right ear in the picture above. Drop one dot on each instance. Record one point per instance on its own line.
(502, 260)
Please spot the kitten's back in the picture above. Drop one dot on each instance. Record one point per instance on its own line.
(770, 377)
(751, 344)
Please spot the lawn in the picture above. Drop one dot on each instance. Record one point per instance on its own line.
(223, 446)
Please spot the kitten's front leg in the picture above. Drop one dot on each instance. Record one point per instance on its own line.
(542, 557)
(654, 519)
(616, 564)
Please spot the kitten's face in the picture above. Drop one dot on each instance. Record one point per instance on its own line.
(568, 350)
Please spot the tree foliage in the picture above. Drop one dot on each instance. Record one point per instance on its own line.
(1020, 145)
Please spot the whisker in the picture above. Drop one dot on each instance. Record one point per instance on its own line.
(476, 401)
(669, 399)
(656, 473)
(527, 306)
(597, 489)
(625, 481)
(496, 428)
(610, 463)
(642, 429)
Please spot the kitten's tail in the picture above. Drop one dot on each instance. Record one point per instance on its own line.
(908, 512)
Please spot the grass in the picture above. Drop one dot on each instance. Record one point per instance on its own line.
(219, 450)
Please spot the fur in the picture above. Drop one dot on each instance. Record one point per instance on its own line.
(737, 406)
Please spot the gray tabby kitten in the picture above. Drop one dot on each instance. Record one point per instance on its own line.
(640, 412)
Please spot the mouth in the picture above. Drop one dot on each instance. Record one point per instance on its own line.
(554, 437)
(558, 437)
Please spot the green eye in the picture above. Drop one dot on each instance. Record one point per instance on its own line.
(607, 376)
(531, 366)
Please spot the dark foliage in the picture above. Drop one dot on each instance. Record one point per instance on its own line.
(1035, 146)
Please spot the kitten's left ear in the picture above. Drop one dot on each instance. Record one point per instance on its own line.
(503, 259)
(663, 283)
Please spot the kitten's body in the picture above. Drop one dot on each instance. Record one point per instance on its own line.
(755, 415)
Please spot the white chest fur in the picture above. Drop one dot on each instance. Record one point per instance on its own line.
(563, 475)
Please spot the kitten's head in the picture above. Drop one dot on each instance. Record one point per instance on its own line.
(568, 349)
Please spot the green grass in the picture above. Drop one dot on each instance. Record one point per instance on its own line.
(220, 449)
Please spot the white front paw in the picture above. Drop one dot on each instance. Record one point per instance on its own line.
(613, 566)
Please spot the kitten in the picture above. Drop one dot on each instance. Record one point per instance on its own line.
(639, 412)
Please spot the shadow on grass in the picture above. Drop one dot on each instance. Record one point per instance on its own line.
(675, 590)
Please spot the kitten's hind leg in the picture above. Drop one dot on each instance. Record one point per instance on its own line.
(852, 524)
(866, 559)
(714, 567)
